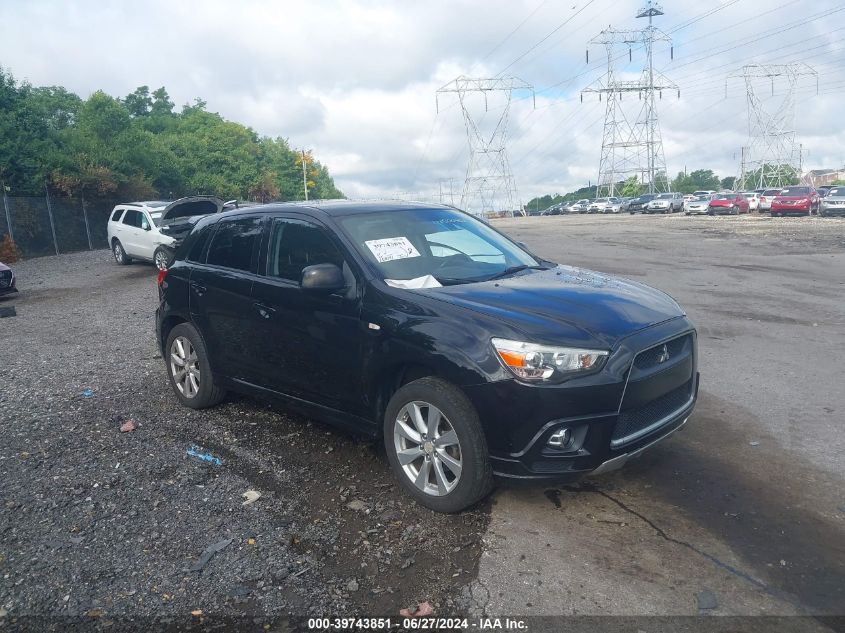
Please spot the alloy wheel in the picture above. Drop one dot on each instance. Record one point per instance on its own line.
(184, 367)
(118, 253)
(427, 448)
(161, 260)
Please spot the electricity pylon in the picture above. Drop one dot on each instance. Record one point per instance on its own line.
(631, 146)
(772, 157)
(489, 186)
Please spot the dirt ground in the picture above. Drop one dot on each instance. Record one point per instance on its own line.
(745, 506)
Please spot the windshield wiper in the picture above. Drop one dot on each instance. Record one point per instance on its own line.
(513, 270)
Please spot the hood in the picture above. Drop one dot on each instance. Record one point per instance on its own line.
(4, 267)
(191, 206)
(566, 305)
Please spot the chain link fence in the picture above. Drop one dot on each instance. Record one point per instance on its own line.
(49, 225)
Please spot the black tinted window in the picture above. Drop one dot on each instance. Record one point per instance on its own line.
(116, 215)
(295, 244)
(197, 242)
(234, 242)
(133, 218)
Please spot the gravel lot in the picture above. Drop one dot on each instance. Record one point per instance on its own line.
(106, 526)
(99, 522)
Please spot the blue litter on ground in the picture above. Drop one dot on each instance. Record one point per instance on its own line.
(197, 453)
(88, 393)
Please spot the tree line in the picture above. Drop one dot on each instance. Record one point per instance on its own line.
(140, 147)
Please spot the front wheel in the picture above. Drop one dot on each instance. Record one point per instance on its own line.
(162, 257)
(436, 447)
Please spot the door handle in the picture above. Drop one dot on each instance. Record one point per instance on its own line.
(199, 289)
(265, 311)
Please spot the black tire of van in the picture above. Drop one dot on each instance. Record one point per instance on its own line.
(476, 478)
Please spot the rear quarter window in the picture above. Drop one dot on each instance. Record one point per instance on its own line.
(234, 243)
(115, 216)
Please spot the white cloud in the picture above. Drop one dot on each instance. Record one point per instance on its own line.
(355, 80)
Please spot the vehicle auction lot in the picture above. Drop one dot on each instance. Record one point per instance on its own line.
(742, 512)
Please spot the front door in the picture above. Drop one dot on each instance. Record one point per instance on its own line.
(312, 340)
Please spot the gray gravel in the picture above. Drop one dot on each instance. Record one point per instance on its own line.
(106, 524)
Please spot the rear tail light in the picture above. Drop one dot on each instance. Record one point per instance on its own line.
(161, 275)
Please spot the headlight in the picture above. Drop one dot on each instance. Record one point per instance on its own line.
(541, 362)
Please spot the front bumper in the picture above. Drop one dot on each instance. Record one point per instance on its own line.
(838, 209)
(612, 415)
(789, 208)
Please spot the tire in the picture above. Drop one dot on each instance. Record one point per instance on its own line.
(432, 469)
(119, 253)
(163, 257)
(775, 215)
(197, 390)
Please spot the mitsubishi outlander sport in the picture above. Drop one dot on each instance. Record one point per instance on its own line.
(469, 355)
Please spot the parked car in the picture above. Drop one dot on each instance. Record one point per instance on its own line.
(824, 190)
(582, 205)
(728, 203)
(687, 198)
(151, 230)
(834, 202)
(765, 199)
(795, 200)
(665, 203)
(604, 205)
(700, 205)
(753, 200)
(637, 205)
(7, 280)
(468, 354)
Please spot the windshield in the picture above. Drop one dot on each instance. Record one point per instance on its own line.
(836, 191)
(665, 196)
(156, 217)
(795, 191)
(451, 246)
(701, 199)
(725, 196)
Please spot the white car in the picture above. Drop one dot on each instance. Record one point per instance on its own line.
(687, 198)
(753, 200)
(133, 232)
(699, 205)
(151, 230)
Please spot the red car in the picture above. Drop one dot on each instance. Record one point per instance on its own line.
(803, 200)
(7, 280)
(728, 203)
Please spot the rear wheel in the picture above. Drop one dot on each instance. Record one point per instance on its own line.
(436, 447)
(189, 370)
(120, 255)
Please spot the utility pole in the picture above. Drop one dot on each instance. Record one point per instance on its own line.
(631, 148)
(489, 184)
(773, 153)
(304, 177)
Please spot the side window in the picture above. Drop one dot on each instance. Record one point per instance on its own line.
(116, 215)
(198, 242)
(132, 218)
(234, 242)
(296, 244)
(145, 223)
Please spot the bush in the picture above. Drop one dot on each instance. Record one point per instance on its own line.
(9, 253)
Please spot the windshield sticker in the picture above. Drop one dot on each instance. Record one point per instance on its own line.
(390, 248)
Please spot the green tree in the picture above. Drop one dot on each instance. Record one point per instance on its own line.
(632, 188)
(139, 103)
(728, 182)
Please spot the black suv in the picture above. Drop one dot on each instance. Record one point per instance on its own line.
(638, 204)
(468, 354)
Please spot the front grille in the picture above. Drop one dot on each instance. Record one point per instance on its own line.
(634, 422)
(651, 357)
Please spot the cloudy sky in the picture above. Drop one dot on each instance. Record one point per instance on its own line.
(356, 80)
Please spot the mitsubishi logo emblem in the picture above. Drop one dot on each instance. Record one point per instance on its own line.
(664, 355)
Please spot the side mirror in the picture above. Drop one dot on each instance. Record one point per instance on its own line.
(322, 278)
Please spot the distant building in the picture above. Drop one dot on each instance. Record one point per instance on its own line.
(822, 177)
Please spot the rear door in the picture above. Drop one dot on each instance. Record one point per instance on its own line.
(312, 340)
(220, 302)
(131, 233)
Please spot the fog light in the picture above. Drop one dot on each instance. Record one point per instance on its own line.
(561, 438)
